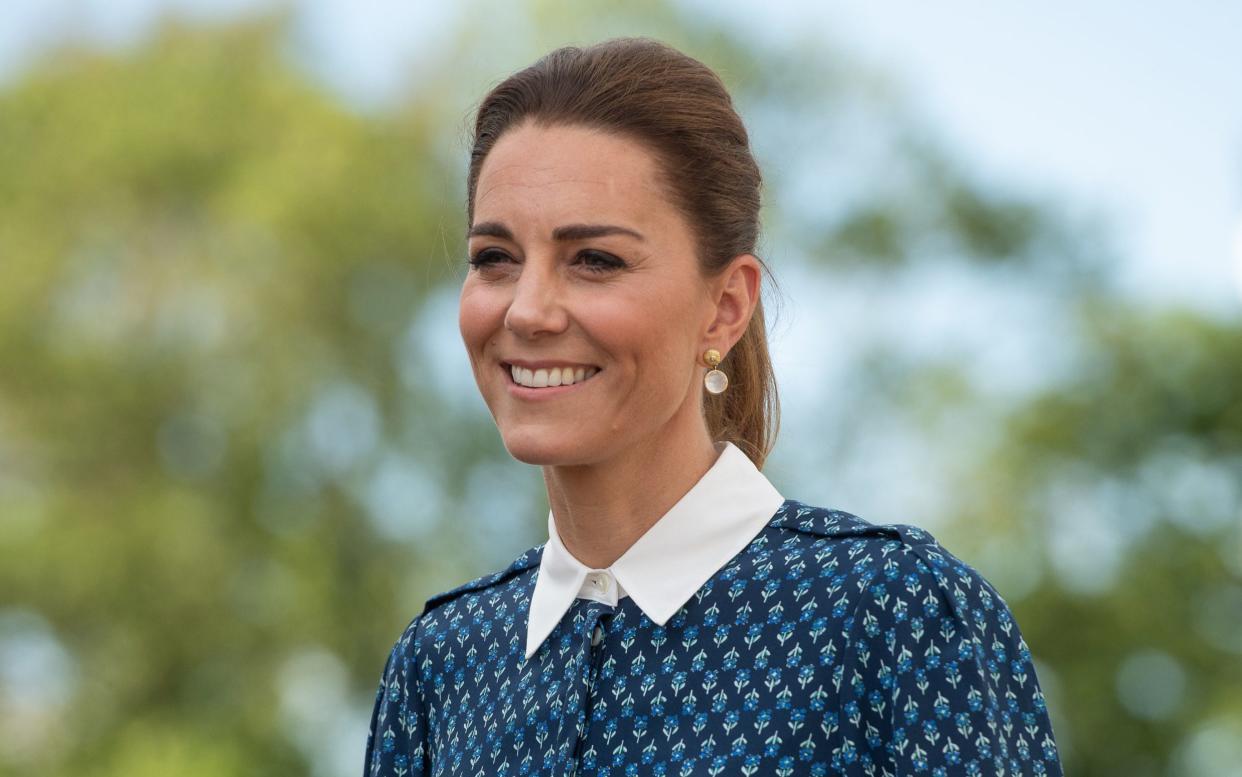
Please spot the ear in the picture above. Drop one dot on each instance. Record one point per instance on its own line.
(736, 294)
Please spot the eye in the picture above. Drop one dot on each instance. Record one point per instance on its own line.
(594, 261)
(597, 261)
(487, 257)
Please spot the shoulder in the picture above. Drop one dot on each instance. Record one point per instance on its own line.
(883, 559)
(931, 651)
(826, 522)
(848, 542)
(424, 626)
(529, 559)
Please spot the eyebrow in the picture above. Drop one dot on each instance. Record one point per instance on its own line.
(566, 233)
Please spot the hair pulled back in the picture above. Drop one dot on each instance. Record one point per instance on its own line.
(680, 110)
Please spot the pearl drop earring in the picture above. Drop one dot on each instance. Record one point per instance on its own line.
(715, 381)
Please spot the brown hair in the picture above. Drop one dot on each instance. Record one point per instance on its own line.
(679, 108)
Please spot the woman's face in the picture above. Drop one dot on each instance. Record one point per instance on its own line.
(585, 264)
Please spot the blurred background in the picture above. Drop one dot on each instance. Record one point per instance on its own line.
(240, 441)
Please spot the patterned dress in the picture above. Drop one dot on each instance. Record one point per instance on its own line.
(828, 646)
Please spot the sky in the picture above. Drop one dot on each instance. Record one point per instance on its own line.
(1130, 111)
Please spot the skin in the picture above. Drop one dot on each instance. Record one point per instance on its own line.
(618, 452)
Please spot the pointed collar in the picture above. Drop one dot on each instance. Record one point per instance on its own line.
(708, 526)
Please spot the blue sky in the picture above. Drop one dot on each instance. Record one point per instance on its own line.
(1132, 111)
(1134, 108)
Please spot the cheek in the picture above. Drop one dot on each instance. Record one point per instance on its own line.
(651, 331)
(478, 316)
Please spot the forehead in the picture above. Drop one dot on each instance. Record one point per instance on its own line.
(564, 173)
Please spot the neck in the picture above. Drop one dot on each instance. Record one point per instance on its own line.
(601, 509)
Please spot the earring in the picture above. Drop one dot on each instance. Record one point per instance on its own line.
(715, 381)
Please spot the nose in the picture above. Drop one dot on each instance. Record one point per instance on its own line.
(537, 305)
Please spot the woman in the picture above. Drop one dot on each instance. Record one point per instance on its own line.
(683, 617)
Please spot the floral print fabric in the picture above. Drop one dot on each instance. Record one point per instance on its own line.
(828, 646)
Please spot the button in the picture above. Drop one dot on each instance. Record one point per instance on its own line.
(597, 636)
(599, 581)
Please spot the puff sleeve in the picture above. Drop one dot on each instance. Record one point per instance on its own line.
(396, 742)
(937, 678)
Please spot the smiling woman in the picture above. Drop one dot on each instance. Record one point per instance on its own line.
(612, 218)
(579, 259)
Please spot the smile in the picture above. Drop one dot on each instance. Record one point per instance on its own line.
(527, 383)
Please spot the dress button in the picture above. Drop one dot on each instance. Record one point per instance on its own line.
(597, 636)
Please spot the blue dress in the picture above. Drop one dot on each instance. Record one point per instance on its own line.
(829, 645)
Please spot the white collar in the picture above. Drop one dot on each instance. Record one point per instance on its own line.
(708, 526)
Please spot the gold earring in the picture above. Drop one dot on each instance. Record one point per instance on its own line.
(715, 381)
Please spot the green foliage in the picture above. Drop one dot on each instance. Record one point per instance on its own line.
(1149, 438)
(197, 243)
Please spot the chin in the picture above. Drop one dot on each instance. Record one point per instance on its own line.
(547, 447)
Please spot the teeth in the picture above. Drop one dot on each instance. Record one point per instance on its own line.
(556, 376)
